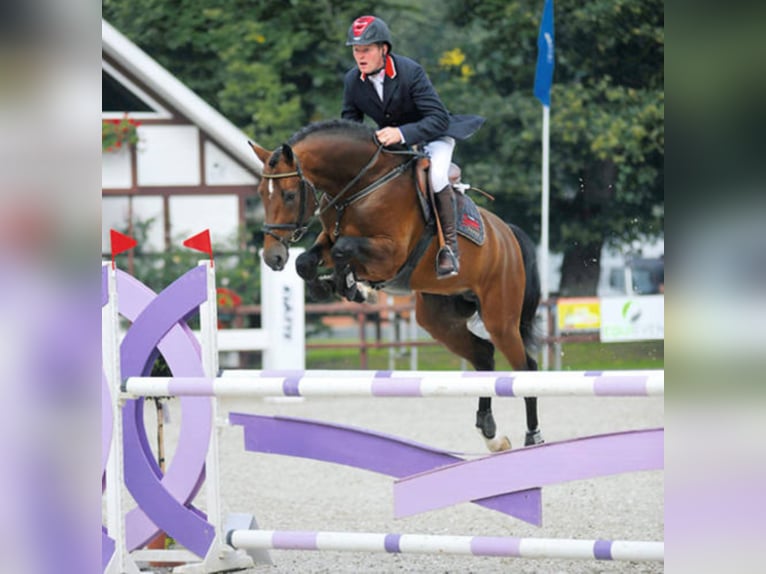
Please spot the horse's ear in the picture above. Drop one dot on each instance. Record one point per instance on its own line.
(263, 154)
(287, 153)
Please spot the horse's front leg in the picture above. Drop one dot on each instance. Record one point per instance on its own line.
(371, 258)
(307, 264)
(355, 257)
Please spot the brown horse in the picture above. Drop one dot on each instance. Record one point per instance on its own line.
(374, 231)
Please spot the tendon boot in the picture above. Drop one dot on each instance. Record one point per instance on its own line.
(447, 263)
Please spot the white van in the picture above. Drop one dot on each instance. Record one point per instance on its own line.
(638, 276)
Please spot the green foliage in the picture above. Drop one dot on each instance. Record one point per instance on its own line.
(236, 270)
(607, 116)
(272, 66)
(269, 66)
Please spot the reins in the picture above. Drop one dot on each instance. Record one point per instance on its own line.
(300, 227)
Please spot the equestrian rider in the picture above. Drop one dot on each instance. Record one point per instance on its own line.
(395, 92)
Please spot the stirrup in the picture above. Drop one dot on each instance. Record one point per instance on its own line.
(444, 273)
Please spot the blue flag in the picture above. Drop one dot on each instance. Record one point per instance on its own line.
(544, 71)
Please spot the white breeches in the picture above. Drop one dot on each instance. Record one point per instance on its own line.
(440, 152)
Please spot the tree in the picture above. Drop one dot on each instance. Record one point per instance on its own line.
(272, 67)
(607, 120)
(269, 66)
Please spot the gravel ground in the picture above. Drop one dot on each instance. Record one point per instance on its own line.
(297, 494)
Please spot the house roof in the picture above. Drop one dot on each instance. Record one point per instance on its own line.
(143, 67)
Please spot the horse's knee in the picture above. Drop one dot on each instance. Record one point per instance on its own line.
(306, 265)
(342, 251)
(347, 248)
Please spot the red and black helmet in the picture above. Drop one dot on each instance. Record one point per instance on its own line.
(368, 30)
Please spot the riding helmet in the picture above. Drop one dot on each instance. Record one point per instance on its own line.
(368, 30)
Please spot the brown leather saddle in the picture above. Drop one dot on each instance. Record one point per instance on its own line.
(421, 176)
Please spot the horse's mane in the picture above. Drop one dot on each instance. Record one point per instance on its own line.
(353, 130)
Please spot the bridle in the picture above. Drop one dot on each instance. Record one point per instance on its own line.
(300, 227)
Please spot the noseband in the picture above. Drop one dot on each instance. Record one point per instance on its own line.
(300, 227)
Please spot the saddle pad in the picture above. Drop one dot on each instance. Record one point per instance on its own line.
(469, 222)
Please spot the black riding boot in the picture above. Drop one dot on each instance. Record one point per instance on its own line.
(447, 263)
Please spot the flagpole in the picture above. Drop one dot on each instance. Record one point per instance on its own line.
(544, 216)
(542, 91)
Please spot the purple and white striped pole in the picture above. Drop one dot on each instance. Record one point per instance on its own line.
(406, 384)
(501, 546)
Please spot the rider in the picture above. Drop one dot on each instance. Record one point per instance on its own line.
(395, 92)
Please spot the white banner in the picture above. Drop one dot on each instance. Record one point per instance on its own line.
(639, 318)
(283, 316)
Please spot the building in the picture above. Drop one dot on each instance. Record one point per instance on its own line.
(191, 168)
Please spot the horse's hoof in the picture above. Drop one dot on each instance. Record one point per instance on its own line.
(485, 422)
(533, 437)
(320, 290)
(498, 444)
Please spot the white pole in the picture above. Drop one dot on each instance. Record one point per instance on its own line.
(413, 337)
(394, 331)
(544, 216)
(509, 547)
(110, 347)
(208, 313)
(220, 557)
(283, 317)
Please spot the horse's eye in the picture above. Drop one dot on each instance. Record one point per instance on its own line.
(289, 196)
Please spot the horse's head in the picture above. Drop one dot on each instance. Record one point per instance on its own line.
(288, 202)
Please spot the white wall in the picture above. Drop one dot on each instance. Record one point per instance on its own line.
(192, 214)
(168, 155)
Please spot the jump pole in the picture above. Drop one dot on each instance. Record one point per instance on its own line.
(412, 384)
(498, 546)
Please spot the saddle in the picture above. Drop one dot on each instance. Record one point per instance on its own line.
(455, 174)
(469, 222)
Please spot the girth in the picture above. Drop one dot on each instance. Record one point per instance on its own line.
(399, 284)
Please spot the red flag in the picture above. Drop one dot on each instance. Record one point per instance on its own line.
(120, 242)
(201, 242)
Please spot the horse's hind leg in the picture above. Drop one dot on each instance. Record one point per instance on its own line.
(445, 320)
(504, 330)
(533, 436)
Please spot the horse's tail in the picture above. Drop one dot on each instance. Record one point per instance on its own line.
(532, 292)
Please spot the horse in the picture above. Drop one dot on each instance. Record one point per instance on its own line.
(374, 231)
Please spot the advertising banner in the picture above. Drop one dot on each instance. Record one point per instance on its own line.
(640, 318)
(578, 314)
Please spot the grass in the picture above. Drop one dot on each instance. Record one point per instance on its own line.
(574, 357)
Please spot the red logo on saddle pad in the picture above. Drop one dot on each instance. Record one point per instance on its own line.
(469, 221)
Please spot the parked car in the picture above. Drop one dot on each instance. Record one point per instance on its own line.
(639, 276)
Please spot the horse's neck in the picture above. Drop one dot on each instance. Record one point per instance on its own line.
(332, 166)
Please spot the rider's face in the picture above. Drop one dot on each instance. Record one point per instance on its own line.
(369, 57)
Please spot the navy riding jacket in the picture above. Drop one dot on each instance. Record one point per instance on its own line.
(410, 103)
